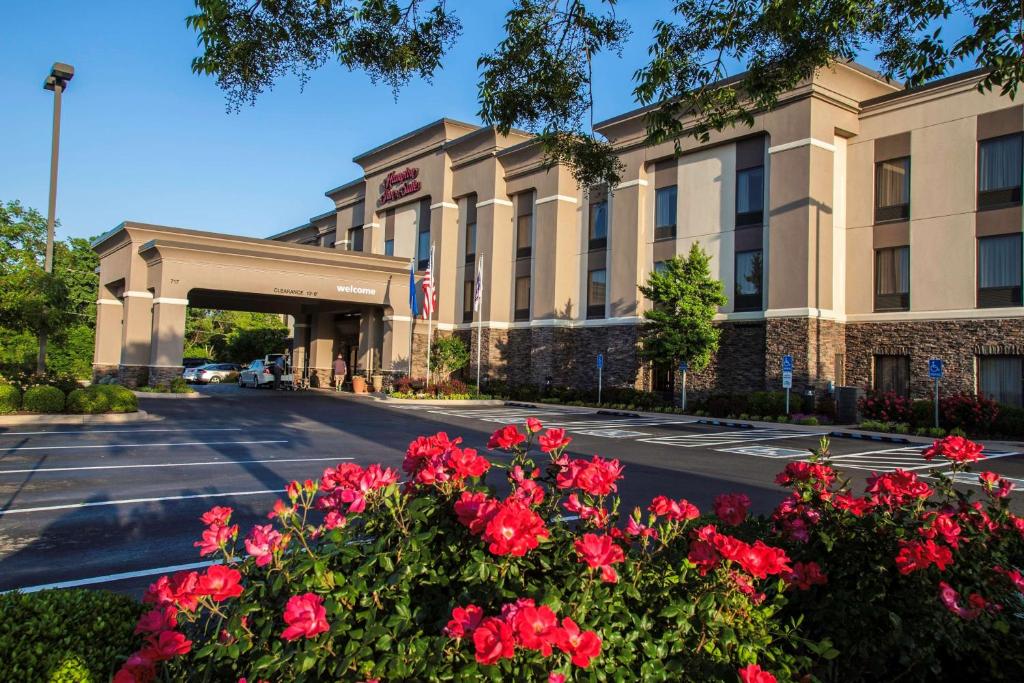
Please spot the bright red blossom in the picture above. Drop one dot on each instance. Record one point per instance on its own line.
(955, 448)
(166, 645)
(514, 530)
(596, 477)
(464, 621)
(506, 438)
(536, 628)
(915, 555)
(553, 439)
(220, 583)
(752, 673)
(162, 618)
(732, 508)
(681, 511)
(215, 537)
(305, 616)
(896, 488)
(493, 641)
(582, 646)
(217, 515)
(533, 425)
(262, 542)
(600, 552)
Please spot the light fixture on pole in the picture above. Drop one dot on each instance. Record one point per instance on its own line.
(57, 82)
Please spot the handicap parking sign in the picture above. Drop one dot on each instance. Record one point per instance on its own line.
(787, 363)
(600, 361)
(684, 366)
(935, 368)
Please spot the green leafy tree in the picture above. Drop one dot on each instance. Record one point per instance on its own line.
(539, 77)
(447, 355)
(679, 326)
(248, 344)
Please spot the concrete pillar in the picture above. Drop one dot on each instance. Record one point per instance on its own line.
(107, 348)
(300, 339)
(168, 340)
(444, 232)
(136, 333)
(495, 239)
(395, 353)
(369, 339)
(321, 349)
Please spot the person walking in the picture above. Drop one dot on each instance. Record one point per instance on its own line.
(340, 370)
(277, 369)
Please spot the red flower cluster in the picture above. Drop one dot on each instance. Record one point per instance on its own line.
(262, 542)
(436, 459)
(794, 518)
(710, 547)
(600, 552)
(820, 476)
(732, 508)
(305, 616)
(994, 485)
(217, 534)
(553, 440)
(896, 488)
(804, 575)
(956, 449)
(510, 527)
(595, 514)
(752, 673)
(506, 438)
(976, 603)
(523, 624)
(675, 511)
(596, 477)
(350, 484)
(916, 555)
(942, 524)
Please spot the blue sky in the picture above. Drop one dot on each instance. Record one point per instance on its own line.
(144, 139)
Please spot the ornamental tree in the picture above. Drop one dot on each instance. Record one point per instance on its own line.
(447, 355)
(539, 76)
(685, 298)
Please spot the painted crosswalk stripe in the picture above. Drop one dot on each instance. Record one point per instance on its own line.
(84, 432)
(132, 501)
(165, 464)
(110, 578)
(142, 445)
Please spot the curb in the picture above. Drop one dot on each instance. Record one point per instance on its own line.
(727, 423)
(153, 394)
(869, 437)
(439, 402)
(618, 413)
(104, 418)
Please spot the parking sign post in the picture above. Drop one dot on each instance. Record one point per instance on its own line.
(600, 371)
(787, 377)
(683, 367)
(935, 372)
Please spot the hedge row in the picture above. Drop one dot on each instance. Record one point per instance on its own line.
(43, 398)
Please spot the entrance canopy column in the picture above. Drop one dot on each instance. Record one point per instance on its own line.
(321, 349)
(396, 352)
(168, 339)
(107, 348)
(300, 338)
(136, 328)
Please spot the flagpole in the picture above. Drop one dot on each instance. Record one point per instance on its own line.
(479, 321)
(412, 311)
(430, 318)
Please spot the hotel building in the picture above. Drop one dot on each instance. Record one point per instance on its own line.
(860, 227)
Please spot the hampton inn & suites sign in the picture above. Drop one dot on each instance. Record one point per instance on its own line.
(398, 184)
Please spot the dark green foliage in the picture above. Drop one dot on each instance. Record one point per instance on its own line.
(1009, 422)
(43, 399)
(120, 399)
(447, 355)
(180, 386)
(10, 398)
(65, 636)
(249, 344)
(89, 400)
(767, 403)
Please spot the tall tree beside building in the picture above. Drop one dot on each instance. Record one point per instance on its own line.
(539, 76)
(685, 298)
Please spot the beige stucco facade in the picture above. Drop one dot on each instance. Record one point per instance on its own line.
(793, 193)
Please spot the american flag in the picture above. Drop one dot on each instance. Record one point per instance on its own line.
(428, 292)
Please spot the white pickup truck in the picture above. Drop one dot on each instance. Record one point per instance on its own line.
(259, 374)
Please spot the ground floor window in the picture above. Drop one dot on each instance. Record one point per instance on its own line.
(467, 301)
(1002, 378)
(749, 268)
(522, 302)
(596, 292)
(664, 377)
(892, 373)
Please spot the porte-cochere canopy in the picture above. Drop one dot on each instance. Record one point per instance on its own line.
(150, 273)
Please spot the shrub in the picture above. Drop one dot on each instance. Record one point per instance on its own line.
(1009, 422)
(767, 402)
(447, 355)
(922, 413)
(88, 401)
(826, 406)
(26, 380)
(10, 398)
(885, 407)
(72, 636)
(121, 400)
(809, 420)
(43, 399)
(969, 412)
(178, 385)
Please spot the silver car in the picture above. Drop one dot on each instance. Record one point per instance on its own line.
(215, 373)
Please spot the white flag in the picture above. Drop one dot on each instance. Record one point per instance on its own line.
(478, 286)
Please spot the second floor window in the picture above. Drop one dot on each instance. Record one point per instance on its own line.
(750, 196)
(423, 236)
(892, 279)
(471, 228)
(999, 271)
(389, 247)
(355, 239)
(524, 236)
(892, 190)
(597, 287)
(999, 171)
(749, 275)
(599, 224)
(665, 213)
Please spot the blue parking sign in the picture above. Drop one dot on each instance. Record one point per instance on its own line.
(600, 361)
(935, 368)
(787, 363)
(684, 366)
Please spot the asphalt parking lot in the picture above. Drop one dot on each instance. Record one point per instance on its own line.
(113, 505)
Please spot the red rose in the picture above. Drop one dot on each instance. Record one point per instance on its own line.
(536, 628)
(596, 477)
(553, 439)
(493, 641)
(215, 537)
(955, 448)
(466, 463)
(732, 508)
(533, 425)
(582, 646)
(475, 510)
(261, 543)
(464, 621)
(752, 673)
(600, 552)
(166, 645)
(138, 668)
(305, 616)
(217, 515)
(514, 530)
(163, 618)
(506, 438)
(220, 583)
(915, 555)
(681, 511)
(804, 575)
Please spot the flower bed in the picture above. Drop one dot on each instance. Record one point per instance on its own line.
(360, 576)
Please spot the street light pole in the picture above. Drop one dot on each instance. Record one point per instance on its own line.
(60, 75)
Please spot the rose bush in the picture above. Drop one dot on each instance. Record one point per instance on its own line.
(522, 569)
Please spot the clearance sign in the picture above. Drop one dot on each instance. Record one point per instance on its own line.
(398, 184)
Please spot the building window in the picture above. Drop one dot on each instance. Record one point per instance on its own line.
(467, 300)
(599, 222)
(749, 276)
(892, 190)
(999, 171)
(665, 213)
(750, 196)
(892, 279)
(597, 287)
(1002, 379)
(471, 228)
(524, 230)
(892, 374)
(999, 271)
(660, 266)
(389, 247)
(355, 239)
(522, 303)
(423, 236)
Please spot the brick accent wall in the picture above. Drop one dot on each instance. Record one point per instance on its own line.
(100, 371)
(956, 342)
(739, 364)
(158, 376)
(133, 376)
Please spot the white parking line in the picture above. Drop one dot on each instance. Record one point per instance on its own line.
(163, 464)
(109, 578)
(140, 445)
(722, 438)
(907, 458)
(122, 431)
(129, 501)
